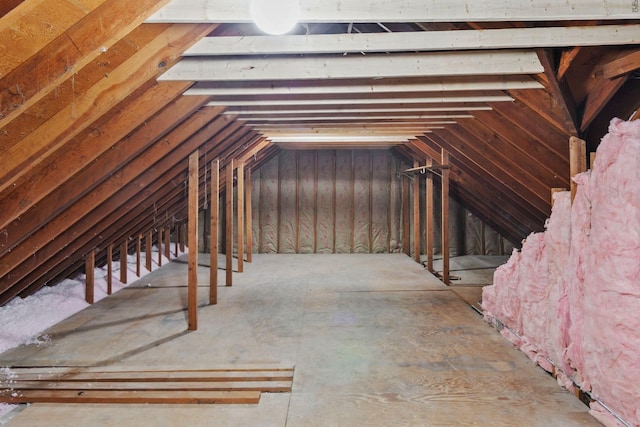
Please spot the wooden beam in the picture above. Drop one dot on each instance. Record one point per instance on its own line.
(419, 41)
(167, 243)
(109, 268)
(429, 216)
(193, 243)
(49, 66)
(626, 62)
(90, 264)
(113, 186)
(561, 92)
(240, 213)
(406, 236)
(416, 215)
(100, 98)
(229, 223)
(123, 262)
(213, 232)
(255, 113)
(160, 231)
(598, 97)
(138, 252)
(578, 160)
(372, 86)
(148, 243)
(371, 66)
(567, 57)
(249, 215)
(445, 217)
(362, 99)
(361, 11)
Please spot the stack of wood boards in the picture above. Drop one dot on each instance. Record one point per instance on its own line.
(92, 385)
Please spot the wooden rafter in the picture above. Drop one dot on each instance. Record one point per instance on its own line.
(38, 74)
(75, 117)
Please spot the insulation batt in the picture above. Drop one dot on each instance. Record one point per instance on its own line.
(571, 296)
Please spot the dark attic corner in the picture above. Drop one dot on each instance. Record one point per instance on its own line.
(383, 161)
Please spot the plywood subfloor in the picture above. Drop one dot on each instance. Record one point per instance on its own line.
(375, 341)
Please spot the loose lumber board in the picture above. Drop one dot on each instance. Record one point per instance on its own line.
(129, 396)
(79, 386)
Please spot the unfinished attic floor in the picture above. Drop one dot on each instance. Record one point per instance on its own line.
(375, 341)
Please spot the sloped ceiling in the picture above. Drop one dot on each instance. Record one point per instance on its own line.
(102, 101)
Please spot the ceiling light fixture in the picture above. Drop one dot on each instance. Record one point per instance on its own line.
(275, 17)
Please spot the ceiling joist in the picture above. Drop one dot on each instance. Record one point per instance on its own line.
(418, 41)
(237, 11)
(363, 100)
(487, 62)
(314, 87)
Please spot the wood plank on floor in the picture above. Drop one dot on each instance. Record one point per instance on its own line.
(262, 386)
(129, 396)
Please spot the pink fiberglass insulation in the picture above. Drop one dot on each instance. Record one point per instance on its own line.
(572, 294)
(529, 291)
(611, 286)
(556, 312)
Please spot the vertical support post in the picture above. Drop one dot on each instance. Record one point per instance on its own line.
(167, 243)
(429, 216)
(138, 250)
(160, 232)
(123, 262)
(176, 238)
(249, 214)
(577, 161)
(182, 235)
(147, 246)
(109, 269)
(192, 284)
(592, 159)
(483, 244)
(445, 216)
(416, 215)
(240, 211)
(229, 221)
(406, 239)
(89, 265)
(213, 234)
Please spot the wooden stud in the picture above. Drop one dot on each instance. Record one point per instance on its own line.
(249, 214)
(148, 243)
(167, 243)
(416, 215)
(123, 262)
(193, 243)
(483, 244)
(406, 238)
(297, 214)
(138, 250)
(353, 202)
(240, 213)
(213, 234)
(315, 202)
(445, 217)
(429, 216)
(370, 202)
(577, 161)
(334, 190)
(182, 237)
(109, 268)
(229, 223)
(90, 261)
(390, 163)
(592, 159)
(160, 233)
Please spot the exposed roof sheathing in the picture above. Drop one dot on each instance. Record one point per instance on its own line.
(102, 101)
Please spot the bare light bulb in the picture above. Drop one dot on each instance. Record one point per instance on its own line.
(275, 17)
